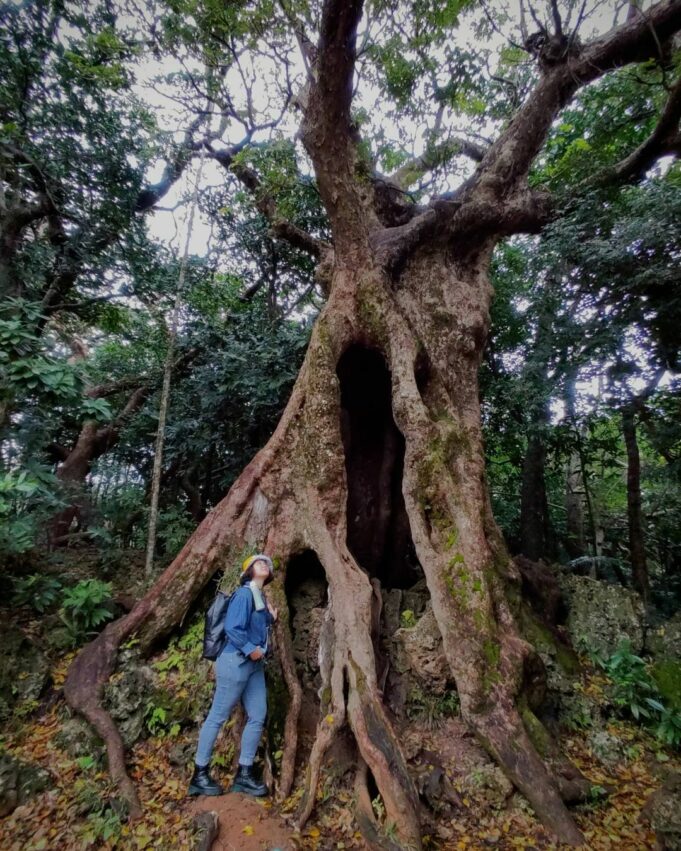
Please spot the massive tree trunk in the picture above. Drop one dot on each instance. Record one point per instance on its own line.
(294, 496)
(403, 329)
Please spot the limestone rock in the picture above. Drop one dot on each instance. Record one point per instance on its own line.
(308, 603)
(601, 615)
(663, 810)
(416, 599)
(390, 614)
(578, 711)
(19, 782)
(418, 652)
(24, 669)
(126, 699)
(77, 738)
(182, 753)
(607, 748)
(206, 828)
(489, 783)
(664, 641)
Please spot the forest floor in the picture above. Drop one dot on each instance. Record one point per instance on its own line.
(79, 808)
(69, 817)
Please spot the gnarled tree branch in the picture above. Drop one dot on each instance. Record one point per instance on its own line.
(440, 154)
(266, 204)
(511, 155)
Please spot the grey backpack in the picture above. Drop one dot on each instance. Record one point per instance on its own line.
(214, 638)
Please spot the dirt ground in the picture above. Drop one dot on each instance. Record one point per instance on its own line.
(246, 824)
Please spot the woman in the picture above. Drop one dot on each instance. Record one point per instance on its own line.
(240, 675)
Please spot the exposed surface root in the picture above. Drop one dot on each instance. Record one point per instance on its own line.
(295, 691)
(83, 691)
(364, 814)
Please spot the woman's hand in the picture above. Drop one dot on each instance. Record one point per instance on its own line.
(255, 654)
(273, 610)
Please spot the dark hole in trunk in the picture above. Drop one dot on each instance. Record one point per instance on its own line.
(372, 786)
(422, 372)
(305, 582)
(306, 590)
(379, 536)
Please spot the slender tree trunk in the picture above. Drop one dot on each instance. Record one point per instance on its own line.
(637, 550)
(574, 485)
(574, 539)
(167, 379)
(537, 540)
(593, 523)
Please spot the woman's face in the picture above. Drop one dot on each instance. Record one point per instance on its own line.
(261, 569)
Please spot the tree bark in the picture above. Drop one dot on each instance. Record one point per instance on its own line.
(93, 441)
(574, 510)
(574, 484)
(536, 533)
(637, 549)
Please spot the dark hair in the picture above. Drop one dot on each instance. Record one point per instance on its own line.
(247, 575)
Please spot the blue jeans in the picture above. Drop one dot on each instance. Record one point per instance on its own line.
(236, 679)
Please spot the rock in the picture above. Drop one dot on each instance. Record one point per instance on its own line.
(57, 636)
(182, 754)
(417, 651)
(577, 711)
(663, 811)
(205, 827)
(562, 700)
(489, 783)
(24, 670)
(416, 599)
(19, 782)
(126, 699)
(390, 613)
(308, 606)
(664, 641)
(77, 738)
(600, 615)
(607, 748)
(603, 568)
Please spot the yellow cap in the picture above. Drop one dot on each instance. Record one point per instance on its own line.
(257, 557)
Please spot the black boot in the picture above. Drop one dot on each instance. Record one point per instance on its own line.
(246, 782)
(202, 783)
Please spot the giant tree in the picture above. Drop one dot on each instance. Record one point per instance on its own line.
(383, 423)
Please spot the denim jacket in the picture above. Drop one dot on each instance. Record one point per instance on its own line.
(245, 627)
